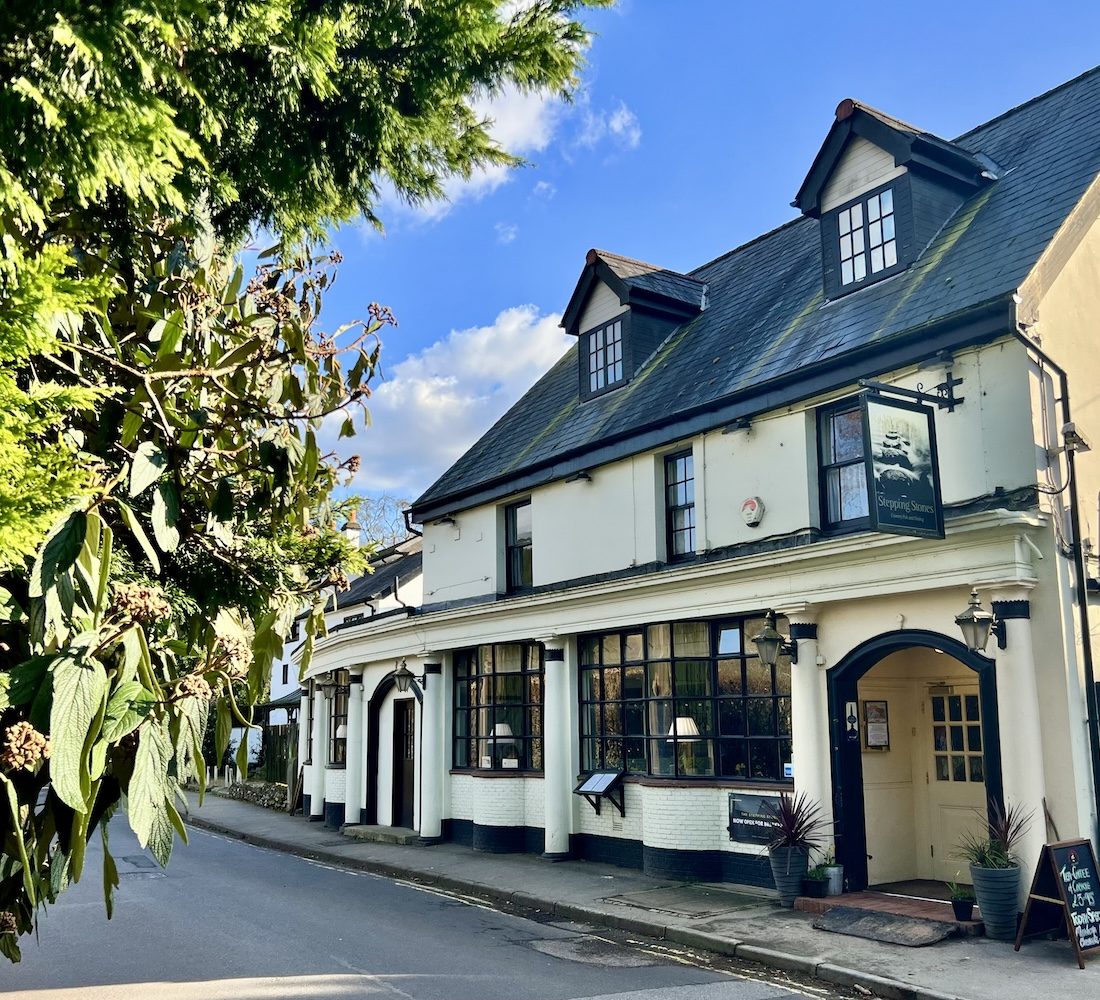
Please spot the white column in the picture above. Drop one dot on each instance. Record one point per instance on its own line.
(1018, 715)
(431, 751)
(557, 781)
(320, 756)
(810, 714)
(356, 791)
(302, 750)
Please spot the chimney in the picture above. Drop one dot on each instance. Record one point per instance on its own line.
(352, 531)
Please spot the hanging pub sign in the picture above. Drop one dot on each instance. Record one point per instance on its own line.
(903, 476)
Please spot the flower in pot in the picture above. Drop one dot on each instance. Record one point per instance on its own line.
(962, 899)
(795, 823)
(815, 882)
(995, 869)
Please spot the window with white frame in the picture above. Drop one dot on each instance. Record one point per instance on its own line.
(868, 243)
(605, 356)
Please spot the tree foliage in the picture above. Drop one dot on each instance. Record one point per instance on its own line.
(165, 507)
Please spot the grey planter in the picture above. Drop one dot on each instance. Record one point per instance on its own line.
(789, 867)
(997, 890)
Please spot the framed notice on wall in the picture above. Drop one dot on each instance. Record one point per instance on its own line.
(903, 476)
(876, 725)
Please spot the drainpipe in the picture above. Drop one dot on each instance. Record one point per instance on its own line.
(408, 524)
(1080, 573)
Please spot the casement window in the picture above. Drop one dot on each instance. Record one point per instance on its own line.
(868, 239)
(605, 357)
(685, 700)
(498, 707)
(679, 504)
(338, 720)
(517, 550)
(842, 467)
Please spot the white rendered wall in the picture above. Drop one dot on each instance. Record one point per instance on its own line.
(462, 560)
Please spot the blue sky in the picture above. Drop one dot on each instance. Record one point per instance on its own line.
(693, 128)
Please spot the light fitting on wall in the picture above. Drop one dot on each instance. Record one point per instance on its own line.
(740, 424)
(580, 477)
(770, 643)
(977, 625)
(403, 677)
(445, 519)
(338, 680)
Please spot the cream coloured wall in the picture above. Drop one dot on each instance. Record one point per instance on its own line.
(464, 559)
(862, 166)
(603, 305)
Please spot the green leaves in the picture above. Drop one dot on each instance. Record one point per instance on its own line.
(128, 706)
(150, 792)
(59, 553)
(138, 532)
(146, 467)
(79, 693)
(166, 515)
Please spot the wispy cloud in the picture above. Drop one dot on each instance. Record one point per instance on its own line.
(544, 189)
(436, 403)
(620, 126)
(506, 232)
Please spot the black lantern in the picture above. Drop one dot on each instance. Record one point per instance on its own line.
(977, 624)
(403, 678)
(770, 643)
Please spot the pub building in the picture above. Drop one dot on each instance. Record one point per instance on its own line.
(817, 515)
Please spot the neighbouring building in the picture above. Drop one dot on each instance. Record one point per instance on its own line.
(841, 427)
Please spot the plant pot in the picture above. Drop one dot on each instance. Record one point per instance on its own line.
(997, 890)
(815, 888)
(789, 867)
(964, 909)
(836, 880)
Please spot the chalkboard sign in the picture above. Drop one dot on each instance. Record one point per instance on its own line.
(1065, 896)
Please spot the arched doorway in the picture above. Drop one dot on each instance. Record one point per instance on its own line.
(848, 734)
(374, 712)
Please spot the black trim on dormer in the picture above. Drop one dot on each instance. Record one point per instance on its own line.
(945, 162)
(907, 247)
(597, 270)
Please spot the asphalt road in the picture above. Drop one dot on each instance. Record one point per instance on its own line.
(235, 921)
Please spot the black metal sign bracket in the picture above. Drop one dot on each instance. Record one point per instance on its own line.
(943, 396)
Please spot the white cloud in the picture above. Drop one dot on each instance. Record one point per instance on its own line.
(544, 189)
(620, 126)
(506, 232)
(522, 123)
(434, 404)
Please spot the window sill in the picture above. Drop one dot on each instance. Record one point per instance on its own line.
(336, 767)
(500, 772)
(705, 781)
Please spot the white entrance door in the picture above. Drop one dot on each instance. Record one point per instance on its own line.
(955, 776)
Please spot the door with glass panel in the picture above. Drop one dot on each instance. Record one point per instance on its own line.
(955, 775)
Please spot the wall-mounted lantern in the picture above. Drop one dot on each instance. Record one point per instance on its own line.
(403, 677)
(771, 643)
(977, 624)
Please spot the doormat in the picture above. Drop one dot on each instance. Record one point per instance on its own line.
(912, 932)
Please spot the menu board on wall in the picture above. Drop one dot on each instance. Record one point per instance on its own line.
(751, 818)
(1065, 895)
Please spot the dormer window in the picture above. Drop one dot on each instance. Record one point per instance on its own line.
(868, 243)
(605, 357)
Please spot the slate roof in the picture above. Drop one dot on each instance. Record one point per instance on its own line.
(397, 562)
(653, 278)
(766, 313)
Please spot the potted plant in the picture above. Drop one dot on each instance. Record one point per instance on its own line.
(834, 872)
(815, 883)
(962, 899)
(995, 869)
(795, 826)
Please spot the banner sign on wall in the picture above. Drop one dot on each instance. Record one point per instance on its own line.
(903, 475)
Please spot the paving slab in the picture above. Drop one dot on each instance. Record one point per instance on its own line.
(969, 968)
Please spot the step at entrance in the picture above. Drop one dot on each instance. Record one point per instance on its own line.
(381, 834)
(915, 908)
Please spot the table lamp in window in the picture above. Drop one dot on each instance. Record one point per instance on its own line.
(684, 733)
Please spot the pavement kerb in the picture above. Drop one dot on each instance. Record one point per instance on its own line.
(879, 986)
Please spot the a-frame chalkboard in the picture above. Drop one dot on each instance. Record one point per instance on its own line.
(1065, 895)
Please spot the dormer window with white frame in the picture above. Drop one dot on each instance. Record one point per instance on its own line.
(605, 356)
(868, 242)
